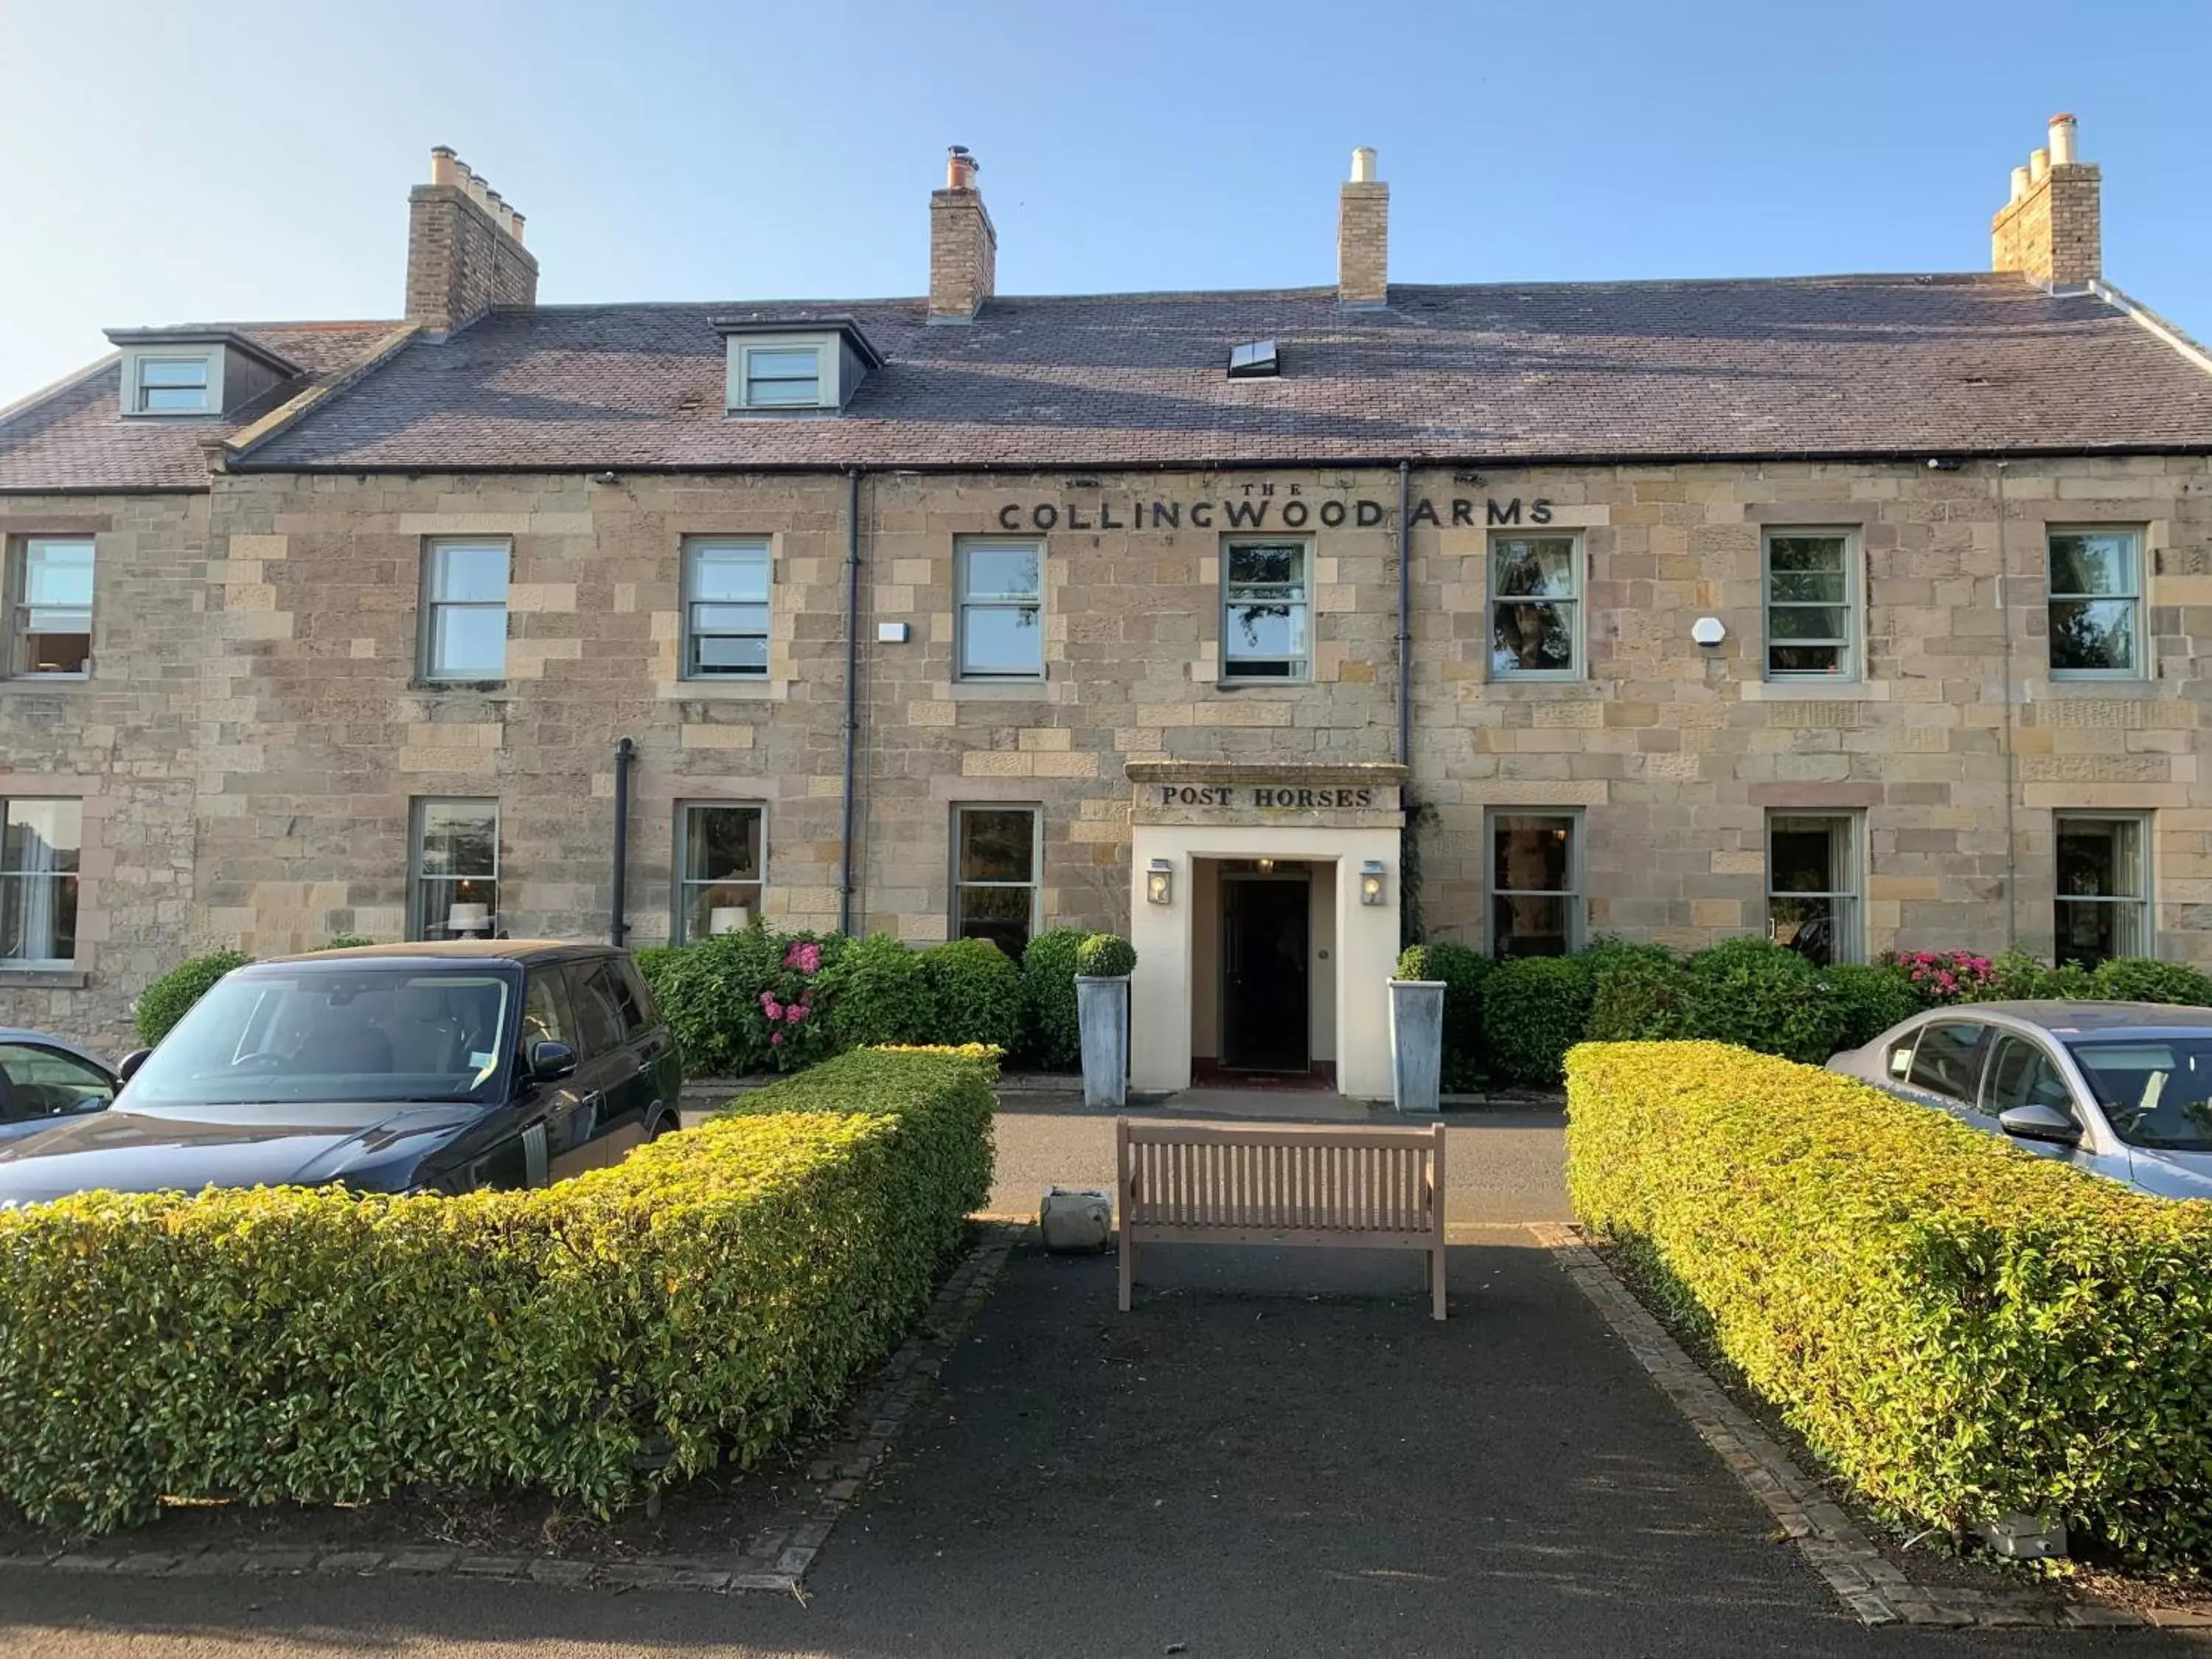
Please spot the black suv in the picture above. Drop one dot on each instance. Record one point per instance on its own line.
(392, 1068)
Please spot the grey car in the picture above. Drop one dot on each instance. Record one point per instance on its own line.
(2122, 1089)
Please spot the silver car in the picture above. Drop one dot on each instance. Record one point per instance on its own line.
(2123, 1090)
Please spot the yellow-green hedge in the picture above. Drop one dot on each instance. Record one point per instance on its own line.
(288, 1344)
(1961, 1329)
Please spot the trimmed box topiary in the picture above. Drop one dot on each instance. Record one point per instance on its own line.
(1106, 956)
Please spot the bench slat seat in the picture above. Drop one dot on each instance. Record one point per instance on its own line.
(1305, 1187)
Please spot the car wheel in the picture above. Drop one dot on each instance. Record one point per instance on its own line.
(666, 1123)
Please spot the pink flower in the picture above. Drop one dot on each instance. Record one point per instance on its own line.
(771, 1008)
(805, 956)
(775, 1039)
(796, 1012)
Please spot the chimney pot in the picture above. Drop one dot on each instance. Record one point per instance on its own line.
(961, 168)
(2051, 230)
(1363, 165)
(444, 167)
(479, 191)
(514, 224)
(2065, 129)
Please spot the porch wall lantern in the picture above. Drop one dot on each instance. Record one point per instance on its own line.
(1370, 882)
(1160, 882)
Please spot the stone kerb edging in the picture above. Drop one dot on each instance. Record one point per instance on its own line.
(777, 1560)
(1865, 1579)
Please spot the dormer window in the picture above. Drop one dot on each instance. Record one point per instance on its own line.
(782, 376)
(792, 365)
(170, 386)
(196, 370)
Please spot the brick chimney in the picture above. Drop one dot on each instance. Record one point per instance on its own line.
(2050, 230)
(464, 251)
(964, 248)
(1363, 237)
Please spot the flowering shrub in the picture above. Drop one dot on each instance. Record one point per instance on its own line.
(789, 1014)
(1945, 976)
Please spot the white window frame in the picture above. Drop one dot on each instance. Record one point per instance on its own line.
(1849, 668)
(2139, 914)
(2135, 599)
(750, 547)
(965, 605)
(1033, 885)
(1575, 892)
(434, 607)
(1573, 603)
(1847, 904)
(70, 881)
(679, 931)
(18, 587)
(746, 377)
(1300, 670)
(209, 386)
(423, 921)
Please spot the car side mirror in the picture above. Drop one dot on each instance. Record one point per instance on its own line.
(550, 1061)
(2039, 1122)
(132, 1062)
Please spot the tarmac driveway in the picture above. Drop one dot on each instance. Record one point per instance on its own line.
(1275, 1453)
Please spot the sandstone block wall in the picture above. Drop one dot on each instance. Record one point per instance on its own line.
(257, 728)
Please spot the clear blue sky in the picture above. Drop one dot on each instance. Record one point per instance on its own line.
(167, 161)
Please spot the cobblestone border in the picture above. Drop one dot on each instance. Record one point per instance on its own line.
(776, 1560)
(1862, 1577)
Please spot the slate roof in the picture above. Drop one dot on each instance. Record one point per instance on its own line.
(77, 437)
(1842, 365)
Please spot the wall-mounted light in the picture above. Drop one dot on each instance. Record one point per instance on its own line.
(1708, 630)
(1160, 882)
(1265, 867)
(1370, 882)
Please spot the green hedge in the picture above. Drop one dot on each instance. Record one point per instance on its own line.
(878, 993)
(1534, 1010)
(1463, 970)
(1962, 1329)
(717, 1288)
(1056, 1040)
(170, 997)
(975, 994)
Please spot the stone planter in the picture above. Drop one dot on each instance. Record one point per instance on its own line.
(1417, 1043)
(1101, 1012)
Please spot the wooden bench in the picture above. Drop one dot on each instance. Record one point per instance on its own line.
(1349, 1188)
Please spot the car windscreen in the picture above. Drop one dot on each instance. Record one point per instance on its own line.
(373, 1033)
(2156, 1092)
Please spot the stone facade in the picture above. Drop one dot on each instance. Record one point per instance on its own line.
(256, 726)
(121, 742)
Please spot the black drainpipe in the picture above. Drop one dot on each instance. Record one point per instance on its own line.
(1405, 756)
(617, 921)
(852, 693)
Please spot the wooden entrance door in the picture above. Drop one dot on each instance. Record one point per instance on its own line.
(1264, 992)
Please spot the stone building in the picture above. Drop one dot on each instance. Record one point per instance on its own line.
(1864, 611)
